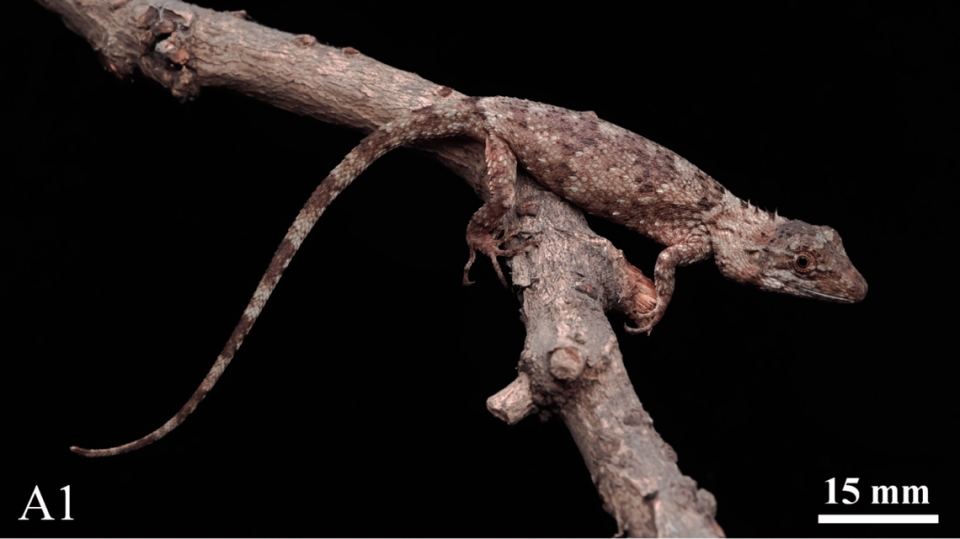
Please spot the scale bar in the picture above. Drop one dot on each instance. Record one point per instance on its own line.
(878, 519)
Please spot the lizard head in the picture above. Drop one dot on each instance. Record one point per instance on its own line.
(793, 257)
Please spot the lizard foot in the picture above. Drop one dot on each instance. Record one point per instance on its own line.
(489, 245)
(646, 320)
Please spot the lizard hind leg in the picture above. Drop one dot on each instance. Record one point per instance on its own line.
(487, 223)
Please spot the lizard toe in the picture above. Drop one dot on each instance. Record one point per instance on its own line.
(645, 321)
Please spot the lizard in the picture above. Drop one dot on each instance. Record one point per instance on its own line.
(600, 167)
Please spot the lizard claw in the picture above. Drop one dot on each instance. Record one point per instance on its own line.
(652, 317)
(489, 245)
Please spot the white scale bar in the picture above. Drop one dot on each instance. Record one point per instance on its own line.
(878, 519)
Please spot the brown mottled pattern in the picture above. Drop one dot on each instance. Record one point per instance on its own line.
(607, 171)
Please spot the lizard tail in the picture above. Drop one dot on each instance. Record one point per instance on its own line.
(420, 124)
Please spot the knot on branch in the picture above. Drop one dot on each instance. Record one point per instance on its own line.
(163, 49)
(566, 363)
(637, 292)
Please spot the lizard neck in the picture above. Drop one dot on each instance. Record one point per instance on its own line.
(739, 229)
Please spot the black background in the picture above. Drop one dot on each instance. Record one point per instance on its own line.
(133, 230)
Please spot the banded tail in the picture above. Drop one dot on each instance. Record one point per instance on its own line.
(428, 122)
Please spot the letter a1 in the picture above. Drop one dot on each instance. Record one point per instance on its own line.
(43, 506)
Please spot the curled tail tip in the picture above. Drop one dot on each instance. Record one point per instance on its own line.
(84, 452)
(113, 451)
(109, 452)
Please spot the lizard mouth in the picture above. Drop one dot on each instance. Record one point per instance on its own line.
(828, 296)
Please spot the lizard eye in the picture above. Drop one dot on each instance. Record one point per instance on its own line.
(803, 262)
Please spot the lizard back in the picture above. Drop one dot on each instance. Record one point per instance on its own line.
(605, 169)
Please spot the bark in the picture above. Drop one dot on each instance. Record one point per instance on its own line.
(571, 365)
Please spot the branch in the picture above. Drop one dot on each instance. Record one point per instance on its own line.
(571, 365)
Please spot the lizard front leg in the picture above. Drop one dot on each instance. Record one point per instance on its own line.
(487, 223)
(682, 254)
